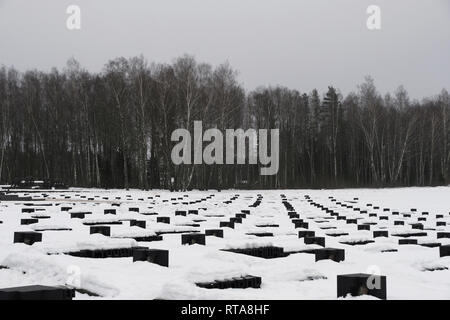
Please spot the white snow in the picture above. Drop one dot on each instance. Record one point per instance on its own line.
(297, 276)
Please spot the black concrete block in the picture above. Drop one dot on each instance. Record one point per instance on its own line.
(269, 252)
(226, 224)
(430, 244)
(193, 238)
(315, 240)
(399, 223)
(306, 233)
(193, 212)
(104, 230)
(214, 232)
(444, 251)
(233, 283)
(299, 223)
(441, 235)
(352, 221)
(77, 215)
(28, 210)
(163, 220)
(103, 253)
(133, 209)
(236, 220)
(66, 208)
(357, 242)
(138, 223)
(27, 237)
(330, 254)
(112, 211)
(441, 223)
(28, 221)
(102, 223)
(407, 241)
(180, 213)
(147, 238)
(361, 284)
(260, 234)
(160, 257)
(37, 292)
(418, 226)
(380, 233)
(364, 227)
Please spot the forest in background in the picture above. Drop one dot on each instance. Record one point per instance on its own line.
(113, 129)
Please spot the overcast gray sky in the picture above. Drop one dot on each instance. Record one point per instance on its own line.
(301, 44)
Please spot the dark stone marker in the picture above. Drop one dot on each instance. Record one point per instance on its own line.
(380, 233)
(28, 210)
(214, 232)
(138, 223)
(112, 211)
(236, 220)
(193, 238)
(233, 283)
(163, 220)
(444, 251)
(418, 226)
(227, 224)
(28, 221)
(407, 241)
(364, 227)
(37, 293)
(104, 230)
(315, 240)
(160, 257)
(441, 235)
(330, 254)
(361, 284)
(28, 237)
(77, 215)
(399, 223)
(193, 212)
(180, 213)
(133, 209)
(306, 233)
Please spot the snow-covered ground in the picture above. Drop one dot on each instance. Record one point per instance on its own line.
(297, 276)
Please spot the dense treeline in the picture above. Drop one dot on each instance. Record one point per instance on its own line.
(113, 129)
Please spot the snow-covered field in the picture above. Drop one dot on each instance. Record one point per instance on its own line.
(296, 276)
